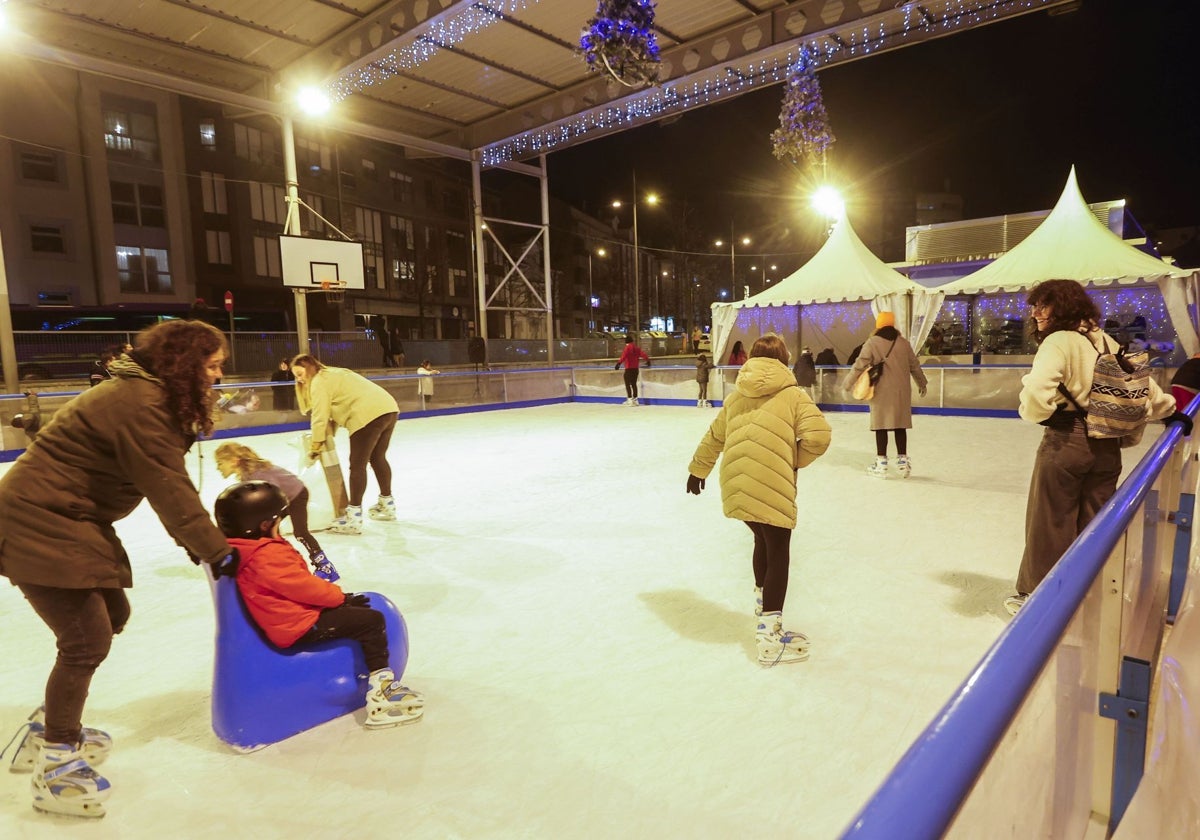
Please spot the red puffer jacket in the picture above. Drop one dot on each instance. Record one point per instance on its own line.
(283, 596)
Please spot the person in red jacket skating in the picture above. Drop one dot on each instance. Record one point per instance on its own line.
(293, 606)
(630, 357)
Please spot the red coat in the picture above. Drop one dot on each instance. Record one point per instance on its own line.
(283, 595)
(631, 355)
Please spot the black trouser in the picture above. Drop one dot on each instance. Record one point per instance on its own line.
(772, 557)
(298, 511)
(363, 624)
(631, 378)
(881, 441)
(369, 445)
(84, 622)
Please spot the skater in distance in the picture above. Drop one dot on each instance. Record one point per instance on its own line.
(630, 357)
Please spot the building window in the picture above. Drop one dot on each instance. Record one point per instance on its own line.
(219, 252)
(131, 134)
(137, 204)
(402, 187)
(312, 156)
(143, 270)
(349, 181)
(266, 256)
(253, 145)
(457, 282)
(212, 188)
(268, 203)
(311, 211)
(39, 166)
(208, 135)
(400, 232)
(368, 168)
(47, 239)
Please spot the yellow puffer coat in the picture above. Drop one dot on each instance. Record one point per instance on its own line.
(767, 430)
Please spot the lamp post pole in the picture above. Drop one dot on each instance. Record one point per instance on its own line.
(600, 252)
(637, 272)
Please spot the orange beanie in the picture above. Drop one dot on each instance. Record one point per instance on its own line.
(885, 319)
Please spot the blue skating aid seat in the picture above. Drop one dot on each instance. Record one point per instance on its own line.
(263, 694)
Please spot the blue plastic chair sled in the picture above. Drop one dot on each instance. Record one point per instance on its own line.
(263, 694)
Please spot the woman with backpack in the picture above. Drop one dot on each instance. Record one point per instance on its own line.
(1073, 474)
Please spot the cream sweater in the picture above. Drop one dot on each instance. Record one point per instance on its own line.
(1069, 357)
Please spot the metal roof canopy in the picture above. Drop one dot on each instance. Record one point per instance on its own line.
(493, 82)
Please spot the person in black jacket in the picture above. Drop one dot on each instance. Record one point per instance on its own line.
(827, 357)
(284, 393)
(100, 367)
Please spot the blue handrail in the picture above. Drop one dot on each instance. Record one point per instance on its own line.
(928, 785)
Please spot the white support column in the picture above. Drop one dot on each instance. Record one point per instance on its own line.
(544, 180)
(8, 347)
(291, 226)
(481, 326)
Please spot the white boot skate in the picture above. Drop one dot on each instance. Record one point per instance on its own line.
(350, 522)
(879, 468)
(64, 783)
(384, 509)
(95, 748)
(391, 704)
(903, 466)
(777, 646)
(757, 601)
(699, 403)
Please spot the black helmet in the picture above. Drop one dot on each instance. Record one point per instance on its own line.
(250, 509)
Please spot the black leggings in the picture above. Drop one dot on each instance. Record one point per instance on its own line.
(772, 557)
(369, 445)
(881, 441)
(631, 378)
(84, 622)
(298, 511)
(363, 624)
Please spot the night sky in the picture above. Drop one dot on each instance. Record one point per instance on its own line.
(997, 115)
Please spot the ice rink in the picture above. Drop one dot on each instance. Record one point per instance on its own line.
(583, 631)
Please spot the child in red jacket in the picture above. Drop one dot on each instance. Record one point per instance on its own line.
(292, 605)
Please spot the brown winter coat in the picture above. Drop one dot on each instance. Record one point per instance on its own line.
(101, 454)
(891, 407)
(767, 429)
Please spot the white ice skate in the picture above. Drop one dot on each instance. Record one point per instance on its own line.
(391, 704)
(757, 601)
(64, 783)
(777, 646)
(95, 748)
(350, 523)
(878, 468)
(903, 466)
(384, 509)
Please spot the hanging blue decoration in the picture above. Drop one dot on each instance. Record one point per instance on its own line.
(620, 41)
(804, 135)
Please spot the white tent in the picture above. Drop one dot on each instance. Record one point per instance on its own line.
(1072, 244)
(843, 270)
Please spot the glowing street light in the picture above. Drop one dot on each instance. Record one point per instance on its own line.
(828, 202)
(313, 101)
(652, 199)
(720, 243)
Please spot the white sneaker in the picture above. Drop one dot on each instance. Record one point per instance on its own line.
(96, 745)
(384, 509)
(350, 522)
(635, 401)
(628, 401)
(879, 468)
(1013, 603)
(64, 783)
(903, 466)
(777, 646)
(391, 704)
(699, 403)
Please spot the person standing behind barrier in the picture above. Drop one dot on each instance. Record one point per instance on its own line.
(425, 374)
(805, 370)
(238, 459)
(737, 356)
(96, 460)
(339, 397)
(703, 368)
(283, 396)
(891, 407)
(631, 356)
(767, 429)
(100, 371)
(1185, 384)
(1073, 474)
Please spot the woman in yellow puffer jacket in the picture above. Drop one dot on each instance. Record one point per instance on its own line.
(767, 429)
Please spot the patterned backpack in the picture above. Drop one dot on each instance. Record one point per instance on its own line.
(1117, 403)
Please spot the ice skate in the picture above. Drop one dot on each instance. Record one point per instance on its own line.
(879, 468)
(95, 748)
(1013, 603)
(384, 509)
(350, 522)
(635, 401)
(699, 403)
(757, 601)
(628, 401)
(322, 568)
(777, 646)
(391, 704)
(903, 466)
(64, 782)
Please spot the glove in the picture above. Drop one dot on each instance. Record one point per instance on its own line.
(227, 566)
(921, 390)
(356, 599)
(695, 485)
(322, 568)
(1182, 419)
(617, 366)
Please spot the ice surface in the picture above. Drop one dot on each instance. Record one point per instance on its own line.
(582, 630)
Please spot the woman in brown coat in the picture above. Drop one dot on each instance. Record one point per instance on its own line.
(891, 407)
(97, 459)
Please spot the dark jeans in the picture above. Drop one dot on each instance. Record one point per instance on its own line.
(369, 445)
(631, 378)
(772, 558)
(298, 511)
(363, 624)
(84, 622)
(881, 441)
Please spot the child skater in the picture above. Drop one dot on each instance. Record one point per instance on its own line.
(425, 380)
(768, 429)
(242, 461)
(703, 366)
(293, 606)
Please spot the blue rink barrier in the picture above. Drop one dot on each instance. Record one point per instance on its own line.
(263, 694)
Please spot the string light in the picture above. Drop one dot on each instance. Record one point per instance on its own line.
(671, 98)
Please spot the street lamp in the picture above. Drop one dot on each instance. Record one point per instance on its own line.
(600, 252)
(651, 198)
(732, 257)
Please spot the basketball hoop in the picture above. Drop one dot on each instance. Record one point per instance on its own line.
(334, 290)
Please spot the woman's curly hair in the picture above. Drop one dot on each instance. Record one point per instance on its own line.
(176, 352)
(1070, 307)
